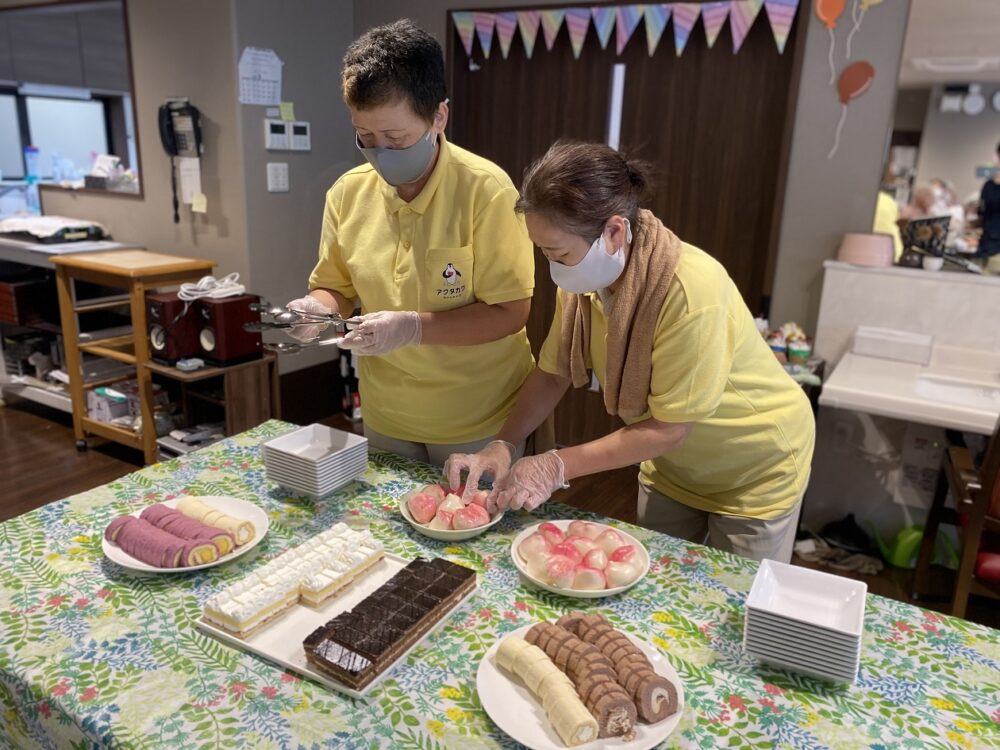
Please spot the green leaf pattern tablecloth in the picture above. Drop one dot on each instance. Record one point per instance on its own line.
(93, 657)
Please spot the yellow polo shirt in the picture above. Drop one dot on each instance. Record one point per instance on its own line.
(458, 242)
(750, 448)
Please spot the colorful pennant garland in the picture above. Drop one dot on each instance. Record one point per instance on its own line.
(484, 31)
(465, 25)
(627, 18)
(685, 16)
(551, 21)
(781, 13)
(577, 23)
(623, 20)
(713, 18)
(506, 26)
(742, 14)
(656, 21)
(528, 22)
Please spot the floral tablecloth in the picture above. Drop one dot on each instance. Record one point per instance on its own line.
(93, 657)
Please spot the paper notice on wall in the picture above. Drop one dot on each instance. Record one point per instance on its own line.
(260, 76)
(189, 169)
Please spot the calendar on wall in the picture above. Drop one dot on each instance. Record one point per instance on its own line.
(260, 76)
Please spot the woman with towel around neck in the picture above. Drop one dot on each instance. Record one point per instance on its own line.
(723, 435)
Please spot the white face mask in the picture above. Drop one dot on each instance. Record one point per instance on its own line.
(596, 271)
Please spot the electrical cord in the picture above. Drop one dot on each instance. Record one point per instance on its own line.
(213, 288)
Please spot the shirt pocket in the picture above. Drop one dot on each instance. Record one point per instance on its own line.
(448, 278)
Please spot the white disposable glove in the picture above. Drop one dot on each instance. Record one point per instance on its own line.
(530, 482)
(382, 332)
(494, 459)
(307, 331)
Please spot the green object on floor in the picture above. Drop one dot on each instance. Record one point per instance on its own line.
(902, 553)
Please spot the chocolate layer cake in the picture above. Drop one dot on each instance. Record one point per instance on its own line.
(356, 646)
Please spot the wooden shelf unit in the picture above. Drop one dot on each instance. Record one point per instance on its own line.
(135, 271)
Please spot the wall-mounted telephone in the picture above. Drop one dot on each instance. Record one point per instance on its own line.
(180, 133)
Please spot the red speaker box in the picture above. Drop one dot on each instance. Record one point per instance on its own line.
(173, 332)
(221, 338)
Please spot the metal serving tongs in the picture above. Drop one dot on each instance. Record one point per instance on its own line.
(282, 318)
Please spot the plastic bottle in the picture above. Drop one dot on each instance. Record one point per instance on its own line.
(31, 178)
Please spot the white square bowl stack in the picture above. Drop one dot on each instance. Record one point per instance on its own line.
(804, 620)
(315, 460)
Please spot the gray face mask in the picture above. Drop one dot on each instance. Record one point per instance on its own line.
(399, 166)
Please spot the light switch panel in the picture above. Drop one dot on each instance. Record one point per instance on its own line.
(277, 177)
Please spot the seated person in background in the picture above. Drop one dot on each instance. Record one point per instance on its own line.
(886, 218)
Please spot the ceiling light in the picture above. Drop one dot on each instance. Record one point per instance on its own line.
(955, 65)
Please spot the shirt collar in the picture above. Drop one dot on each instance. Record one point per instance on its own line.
(420, 204)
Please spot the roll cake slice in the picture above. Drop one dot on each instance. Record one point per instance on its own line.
(565, 711)
(176, 523)
(243, 531)
(156, 547)
(605, 699)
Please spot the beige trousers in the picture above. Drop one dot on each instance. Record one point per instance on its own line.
(430, 453)
(750, 537)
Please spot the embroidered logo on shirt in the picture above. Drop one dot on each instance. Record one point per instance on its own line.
(451, 274)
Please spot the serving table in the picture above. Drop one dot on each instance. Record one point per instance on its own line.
(91, 656)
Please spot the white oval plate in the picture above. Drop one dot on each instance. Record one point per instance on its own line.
(515, 710)
(231, 506)
(443, 535)
(563, 525)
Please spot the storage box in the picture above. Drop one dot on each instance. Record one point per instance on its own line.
(888, 343)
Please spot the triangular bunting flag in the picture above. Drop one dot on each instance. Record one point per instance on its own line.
(528, 22)
(506, 26)
(656, 21)
(577, 23)
(484, 30)
(627, 17)
(742, 14)
(604, 23)
(551, 21)
(713, 17)
(465, 25)
(685, 16)
(781, 13)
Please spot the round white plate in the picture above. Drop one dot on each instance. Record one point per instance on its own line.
(515, 710)
(231, 506)
(443, 535)
(563, 525)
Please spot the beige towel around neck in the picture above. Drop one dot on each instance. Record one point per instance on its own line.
(632, 320)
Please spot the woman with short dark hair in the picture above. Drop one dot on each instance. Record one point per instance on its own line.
(723, 434)
(425, 235)
(989, 214)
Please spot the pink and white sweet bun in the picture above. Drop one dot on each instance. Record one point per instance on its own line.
(538, 566)
(583, 544)
(479, 498)
(552, 532)
(533, 545)
(626, 553)
(470, 517)
(560, 571)
(434, 490)
(589, 579)
(584, 528)
(620, 574)
(610, 540)
(566, 549)
(451, 503)
(422, 507)
(596, 559)
(441, 521)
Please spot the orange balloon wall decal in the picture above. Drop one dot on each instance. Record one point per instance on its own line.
(854, 81)
(829, 11)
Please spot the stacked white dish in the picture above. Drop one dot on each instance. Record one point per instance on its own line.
(806, 621)
(315, 460)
